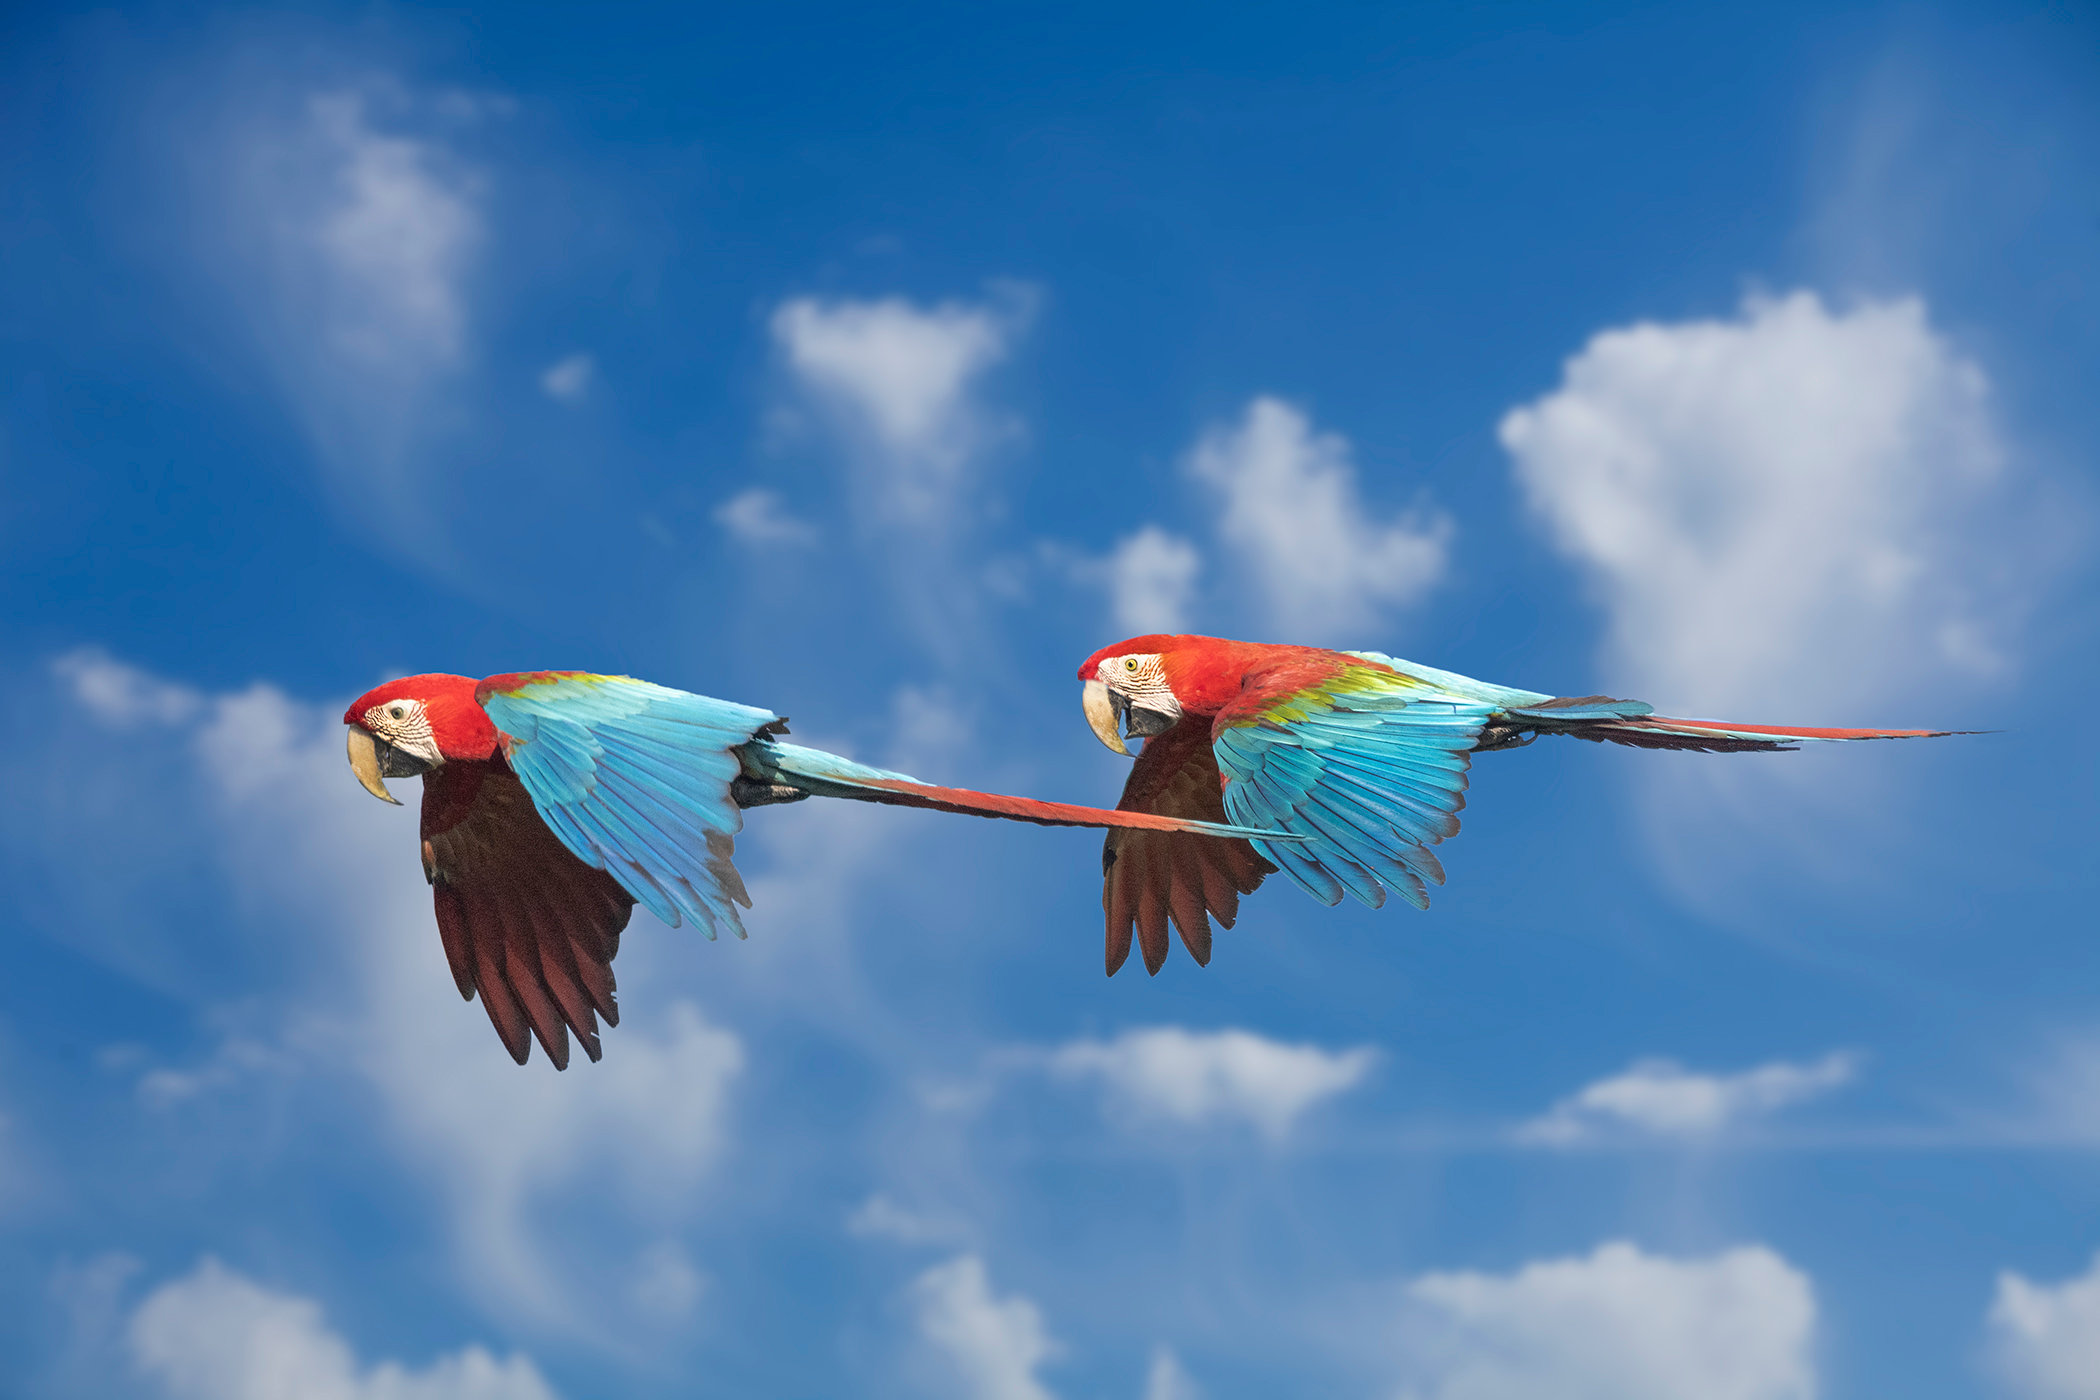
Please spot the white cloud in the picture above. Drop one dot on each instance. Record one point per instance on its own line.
(1664, 1099)
(992, 1345)
(879, 1217)
(1794, 515)
(896, 379)
(2046, 1339)
(123, 695)
(1166, 1380)
(759, 517)
(354, 228)
(1322, 568)
(395, 227)
(215, 1335)
(1151, 578)
(1166, 1072)
(568, 380)
(644, 1127)
(1619, 1324)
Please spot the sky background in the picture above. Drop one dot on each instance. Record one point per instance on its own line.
(875, 366)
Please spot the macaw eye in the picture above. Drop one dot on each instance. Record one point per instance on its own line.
(1130, 663)
(398, 711)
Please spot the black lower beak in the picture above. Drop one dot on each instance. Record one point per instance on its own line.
(398, 763)
(1137, 721)
(1141, 723)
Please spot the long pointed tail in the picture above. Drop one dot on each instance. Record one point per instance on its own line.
(824, 774)
(1603, 720)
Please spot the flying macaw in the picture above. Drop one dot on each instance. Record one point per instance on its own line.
(1361, 755)
(555, 801)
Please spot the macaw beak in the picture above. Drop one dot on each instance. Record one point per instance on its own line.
(1104, 713)
(373, 759)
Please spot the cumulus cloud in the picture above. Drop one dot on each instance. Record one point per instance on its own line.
(1792, 515)
(568, 380)
(1194, 1077)
(1151, 578)
(215, 1335)
(2045, 1339)
(1619, 1324)
(992, 1346)
(643, 1127)
(759, 517)
(1660, 1098)
(896, 378)
(1291, 512)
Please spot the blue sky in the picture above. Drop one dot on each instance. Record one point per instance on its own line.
(875, 367)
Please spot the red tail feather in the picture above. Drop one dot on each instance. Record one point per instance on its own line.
(905, 793)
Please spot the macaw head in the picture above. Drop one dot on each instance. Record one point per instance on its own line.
(413, 725)
(1130, 690)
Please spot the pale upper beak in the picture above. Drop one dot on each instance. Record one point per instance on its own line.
(1104, 712)
(373, 759)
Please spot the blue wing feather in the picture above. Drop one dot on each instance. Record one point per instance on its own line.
(634, 779)
(1370, 775)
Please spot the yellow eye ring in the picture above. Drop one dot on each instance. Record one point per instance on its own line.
(1130, 663)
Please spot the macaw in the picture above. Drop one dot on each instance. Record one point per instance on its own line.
(555, 801)
(1361, 755)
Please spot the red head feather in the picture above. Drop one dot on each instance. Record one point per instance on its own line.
(460, 726)
(1208, 673)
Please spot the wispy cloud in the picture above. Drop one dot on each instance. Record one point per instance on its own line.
(992, 1346)
(1617, 1324)
(1661, 1099)
(2045, 1338)
(1166, 1073)
(1320, 566)
(1166, 1379)
(215, 1335)
(880, 1217)
(354, 230)
(569, 379)
(759, 517)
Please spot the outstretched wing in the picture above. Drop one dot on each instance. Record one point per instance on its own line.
(634, 779)
(527, 926)
(1149, 878)
(1368, 765)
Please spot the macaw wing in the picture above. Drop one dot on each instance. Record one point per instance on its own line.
(1150, 878)
(526, 925)
(635, 779)
(1367, 765)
